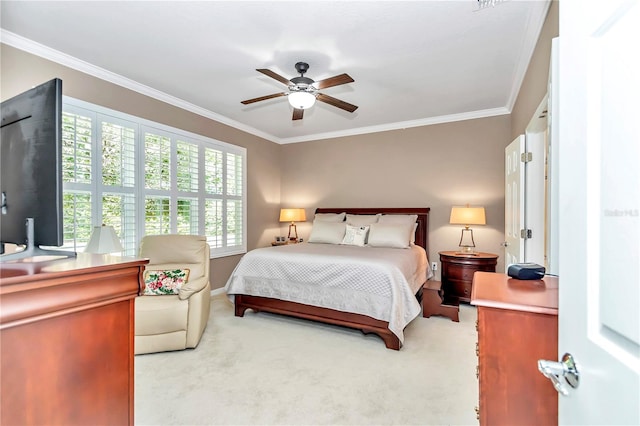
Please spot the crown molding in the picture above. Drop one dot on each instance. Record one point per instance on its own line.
(526, 53)
(401, 125)
(69, 61)
(56, 56)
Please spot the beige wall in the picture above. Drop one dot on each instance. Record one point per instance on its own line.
(20, 71)
(432, 166)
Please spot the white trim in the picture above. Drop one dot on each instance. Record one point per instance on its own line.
(152, 124)
(217, 291)
(43, 51)
(143, 126)
(401, 125)
(528, 47)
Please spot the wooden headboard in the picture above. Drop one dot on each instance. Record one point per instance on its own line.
(422, 232)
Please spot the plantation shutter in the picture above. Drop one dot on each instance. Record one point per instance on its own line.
(118, 184)
(145, 178)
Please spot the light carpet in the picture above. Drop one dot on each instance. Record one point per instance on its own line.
(266, 369)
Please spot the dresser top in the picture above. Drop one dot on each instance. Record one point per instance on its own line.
(49, 267)
(500, 291)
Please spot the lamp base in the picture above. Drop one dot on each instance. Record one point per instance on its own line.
(293, 233)
(466, 251)
(466, 243)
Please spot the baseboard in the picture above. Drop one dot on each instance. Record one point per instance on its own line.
(217, 291)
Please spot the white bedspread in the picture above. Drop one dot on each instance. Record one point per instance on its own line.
(377, 282)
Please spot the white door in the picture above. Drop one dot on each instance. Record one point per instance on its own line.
(599, 212)
(551, 224)
(535, 197)
(514, 202)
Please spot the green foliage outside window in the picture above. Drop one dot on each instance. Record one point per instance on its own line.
(180, 180)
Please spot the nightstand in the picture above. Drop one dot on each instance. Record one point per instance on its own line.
(434, 303)
(458, 269)
(282, 243)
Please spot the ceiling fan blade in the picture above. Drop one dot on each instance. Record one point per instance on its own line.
(336, 102)
(263, 98)
(297, 114)
(333, 81)
(275, 76)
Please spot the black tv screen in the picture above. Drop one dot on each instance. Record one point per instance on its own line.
(31, 166)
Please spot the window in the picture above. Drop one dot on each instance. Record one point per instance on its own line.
(146, 178)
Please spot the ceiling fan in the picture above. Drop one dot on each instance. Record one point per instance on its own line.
(303, 91)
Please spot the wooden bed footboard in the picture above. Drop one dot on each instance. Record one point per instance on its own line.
(325, 315)
(330, 316)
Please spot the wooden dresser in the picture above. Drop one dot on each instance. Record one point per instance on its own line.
(517, 326)
(67, 332)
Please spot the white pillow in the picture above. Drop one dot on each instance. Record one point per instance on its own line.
(393, 235)
(327, 232)
(329, 217)
(398, 218)
(362, 219)
(355, 235)
(402, 219)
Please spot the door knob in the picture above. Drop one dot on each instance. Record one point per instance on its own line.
(561, 373)
(504, 244)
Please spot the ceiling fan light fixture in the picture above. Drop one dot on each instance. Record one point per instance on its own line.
(303, 91)
(302, 100)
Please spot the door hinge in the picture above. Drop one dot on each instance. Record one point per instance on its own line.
(525, 157)
(525, 234)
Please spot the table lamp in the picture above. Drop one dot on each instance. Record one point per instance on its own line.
(467, 216)
(292, 215)
(103, 240)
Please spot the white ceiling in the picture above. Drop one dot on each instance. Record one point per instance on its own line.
(413, 62)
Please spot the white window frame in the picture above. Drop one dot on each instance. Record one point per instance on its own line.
(141, 126)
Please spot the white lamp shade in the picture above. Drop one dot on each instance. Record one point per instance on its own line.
(302, 100)
(292, 215)
(467, 216)
(103, 240)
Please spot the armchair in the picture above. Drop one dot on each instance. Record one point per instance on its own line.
(174, 322)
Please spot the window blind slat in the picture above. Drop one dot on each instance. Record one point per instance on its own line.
(152, 179)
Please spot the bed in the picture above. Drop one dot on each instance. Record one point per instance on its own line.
(353, 296)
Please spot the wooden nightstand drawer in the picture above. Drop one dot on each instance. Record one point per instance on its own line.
(461, 288)
(461, 273)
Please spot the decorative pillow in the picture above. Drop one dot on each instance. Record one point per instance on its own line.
(329, 217)
(355, 235)
(164, 281)
(362, 219)
(327, 232)
(390, 235)
(402, 219)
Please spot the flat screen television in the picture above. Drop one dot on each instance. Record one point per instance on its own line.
(31, 172)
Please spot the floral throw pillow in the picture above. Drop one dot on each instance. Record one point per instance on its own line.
(164, 282)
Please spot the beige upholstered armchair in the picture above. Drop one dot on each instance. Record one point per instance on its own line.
(176, 321)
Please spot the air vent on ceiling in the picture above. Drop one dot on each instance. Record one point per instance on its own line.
(483, 4)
